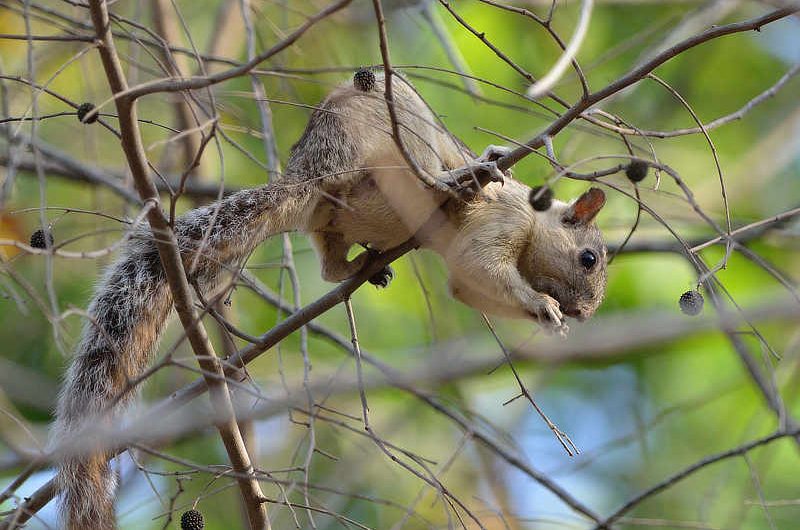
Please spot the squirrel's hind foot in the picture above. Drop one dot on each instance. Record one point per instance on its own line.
(383, 277)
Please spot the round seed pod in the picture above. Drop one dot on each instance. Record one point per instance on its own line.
(192, 520)
(364, 80)
(637, 170)
(541, 202)
(42, 239)
(83, 110)
(691, 303)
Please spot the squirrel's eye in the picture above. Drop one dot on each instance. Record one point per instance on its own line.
(588, 259)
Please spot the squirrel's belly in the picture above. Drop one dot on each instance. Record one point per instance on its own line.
(374, 223)
(382, 210)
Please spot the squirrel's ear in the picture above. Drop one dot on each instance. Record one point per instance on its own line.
(584, 210)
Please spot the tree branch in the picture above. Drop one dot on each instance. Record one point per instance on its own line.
(195, 82)
(168, 251)
(637, 74)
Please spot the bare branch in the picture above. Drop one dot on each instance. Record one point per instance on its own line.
(168, 250)
(637, 74)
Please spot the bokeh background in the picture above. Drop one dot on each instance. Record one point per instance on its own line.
(638, 411)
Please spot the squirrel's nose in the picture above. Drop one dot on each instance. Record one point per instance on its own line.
(576, 313)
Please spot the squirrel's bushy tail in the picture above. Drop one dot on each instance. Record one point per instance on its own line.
(126, 318)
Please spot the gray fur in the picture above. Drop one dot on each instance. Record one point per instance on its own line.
(127, 315)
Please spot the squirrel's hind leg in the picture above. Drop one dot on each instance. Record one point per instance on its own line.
(332, 251)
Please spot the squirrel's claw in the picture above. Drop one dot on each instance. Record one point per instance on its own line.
(467, 181)
(383, 277)
(493, 152)
(547, 312)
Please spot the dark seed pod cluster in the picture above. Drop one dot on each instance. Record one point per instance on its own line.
(541, 202)
(691, 303)
(192, 520)
(83, 110)
(42, 239)
(364, 80)
(637, 170)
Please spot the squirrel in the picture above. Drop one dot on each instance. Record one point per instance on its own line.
(346, 183)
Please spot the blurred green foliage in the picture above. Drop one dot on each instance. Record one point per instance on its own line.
(671, 403)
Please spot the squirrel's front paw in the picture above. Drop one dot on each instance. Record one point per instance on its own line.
(547, 312)
(493, 152)
(468, 180)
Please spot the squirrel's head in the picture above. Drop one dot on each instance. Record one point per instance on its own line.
(568, 259)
